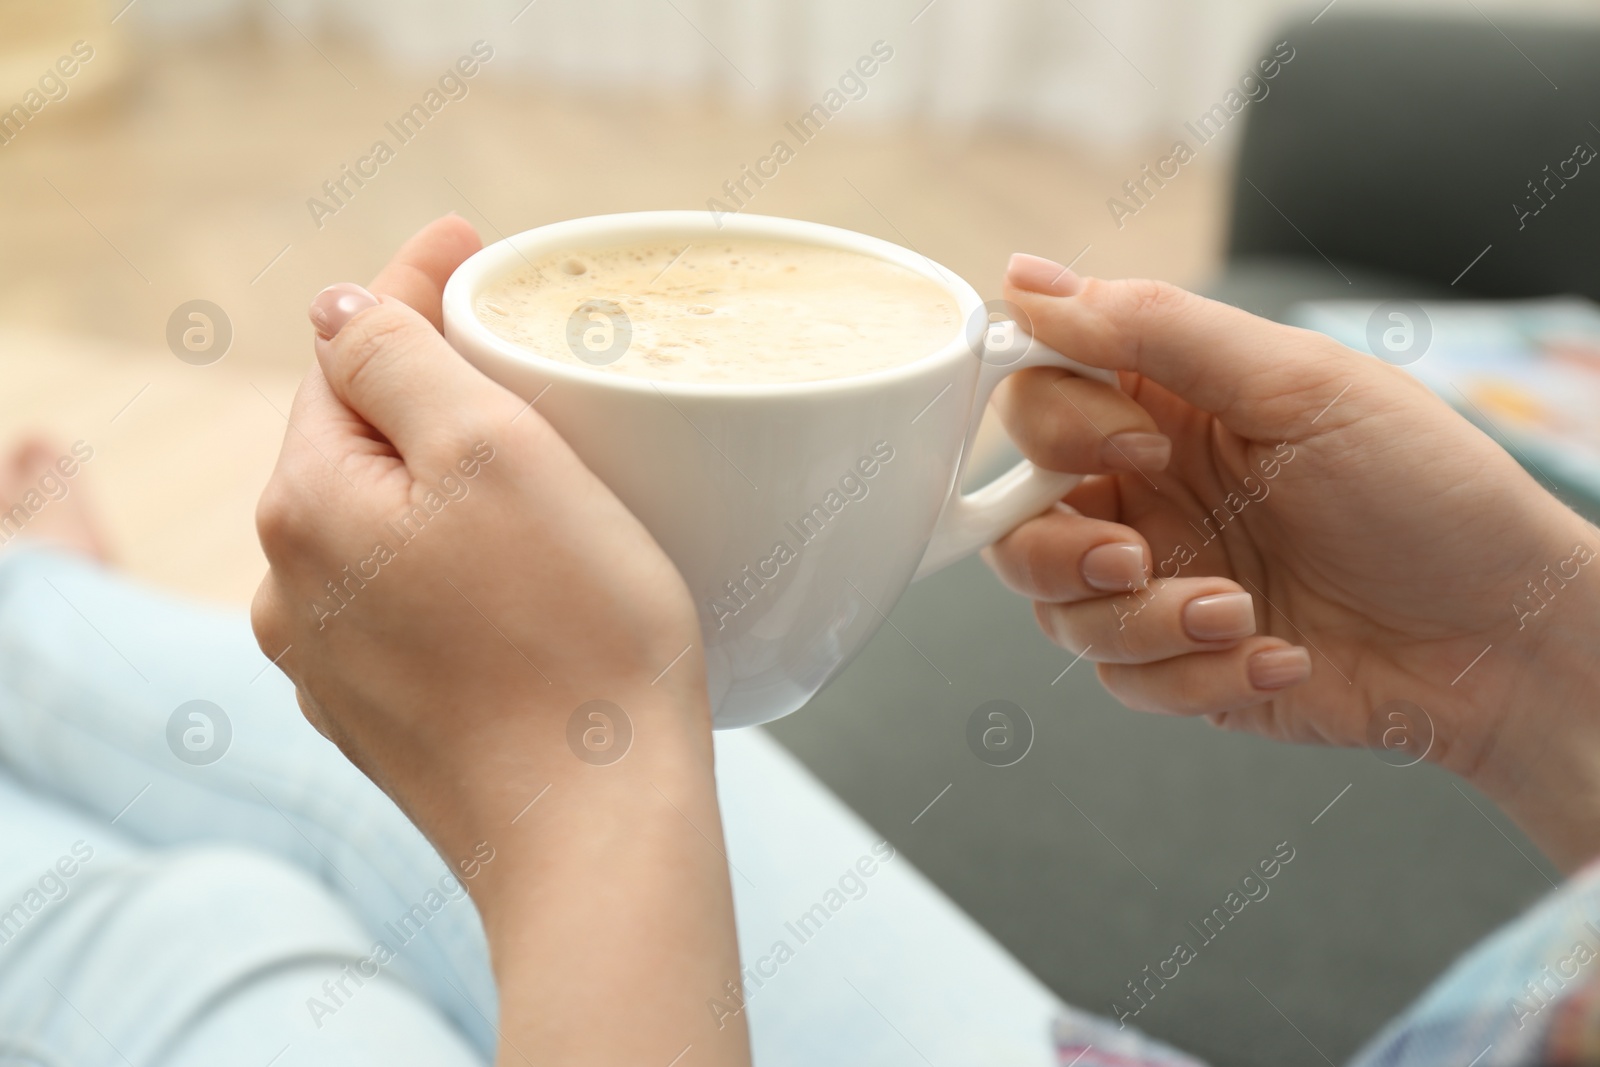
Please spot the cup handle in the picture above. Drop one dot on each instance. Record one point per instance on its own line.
(973, 520)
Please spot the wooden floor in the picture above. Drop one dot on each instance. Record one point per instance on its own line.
(189, 178)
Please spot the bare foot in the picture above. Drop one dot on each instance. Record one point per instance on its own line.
(40, 503)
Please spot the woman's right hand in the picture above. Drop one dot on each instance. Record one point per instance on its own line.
(1329, 545)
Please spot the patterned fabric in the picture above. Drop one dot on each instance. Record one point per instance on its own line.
(1528, 996)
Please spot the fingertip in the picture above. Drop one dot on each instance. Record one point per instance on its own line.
(455, 229)
(336, 305)
(419, 270)
(1035, 274)
(1225, 616)
(1116, 567)
(1273, 669)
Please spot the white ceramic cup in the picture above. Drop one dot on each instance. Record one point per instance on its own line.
(797, 512)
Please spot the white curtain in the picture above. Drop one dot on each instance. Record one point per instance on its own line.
(1105, 72)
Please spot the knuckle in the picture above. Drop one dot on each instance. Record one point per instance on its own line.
(1012, 559)
(1136, 628)
(1045, 422)
(1004, 558)
(461, 449)
(1138, 687)
(363, 348)
(1125, 639)
(1061, 432)
(1123, 683)
(282, 519)
(1039, 564)
(470, 437)
(275, 520)
(1148, 297)
(1129, 309)
(266, 619)
(1092, 626)
(1313, 360)
(313, 713)
(1047, 616)
(1024, 555)
(1015, 401)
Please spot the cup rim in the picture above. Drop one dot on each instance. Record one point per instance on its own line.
(495, 260)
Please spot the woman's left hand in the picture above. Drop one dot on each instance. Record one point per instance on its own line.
(450, 589)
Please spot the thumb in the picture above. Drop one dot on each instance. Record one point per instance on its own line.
(1264, 380)
(391, 367)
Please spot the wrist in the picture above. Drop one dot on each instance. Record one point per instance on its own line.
(610, 892)
(1540, 754)
(578, 760)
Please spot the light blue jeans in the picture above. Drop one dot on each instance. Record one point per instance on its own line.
(163, 910)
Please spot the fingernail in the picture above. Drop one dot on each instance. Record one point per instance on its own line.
(1136, 451)
(1279, 668)
(337, 305)
(1220, 617)
(1115, 568)
(1039, 275)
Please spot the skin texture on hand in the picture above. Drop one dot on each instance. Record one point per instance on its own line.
(1327, 538)
(449, 588)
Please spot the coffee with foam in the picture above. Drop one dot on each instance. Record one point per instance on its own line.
(742, 310)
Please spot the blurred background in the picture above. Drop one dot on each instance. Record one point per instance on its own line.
(201, 150)
(181, 161)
